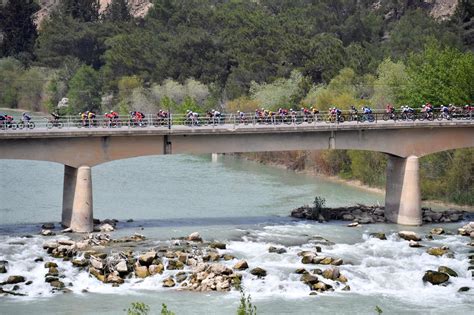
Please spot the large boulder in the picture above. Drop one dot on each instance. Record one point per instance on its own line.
(259, 272)
(141, 271)
(436, 251)
(309, 279)
(50, 264)
(46, 232)
(276, 250)
(219, 269)
(194, 237)
(435, 277)
(437, 231)
(174, 265)
(169, 282)
(448, 271)
(155, 269)
(57, 284)
(3, 266)
(467, 229)
(326, 261)
(331, 273)
(379, 235)
(241, 265)
(181, 276)
(414, 244)
(106, 228)
(218, 245)
(147, 258)
(409, 236)
(114, 278)
(80, 262)
(96, 273)
(97, 263)
(14, 280)
(308, 259)
(122, 267)
(48, 226)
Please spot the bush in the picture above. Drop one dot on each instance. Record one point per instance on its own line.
(164, 310)
(138, 308)
(246, 307)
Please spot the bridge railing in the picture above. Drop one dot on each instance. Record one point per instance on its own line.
(236, 120)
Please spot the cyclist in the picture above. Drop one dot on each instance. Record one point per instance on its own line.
(110, 118)
(241, 116)
(55, 116)
(282, 112)
(306, 113)
(367, 111)
(427, 110)
(216, 116)
(114, 114)
(83, 117)
(25, 117)
(90, 118)
(444, 110)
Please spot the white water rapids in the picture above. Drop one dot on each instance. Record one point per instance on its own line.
(242, 204)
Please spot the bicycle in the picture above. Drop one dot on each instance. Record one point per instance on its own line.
(54, 123)
(29, 125)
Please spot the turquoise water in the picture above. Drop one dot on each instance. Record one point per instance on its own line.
(242, 203)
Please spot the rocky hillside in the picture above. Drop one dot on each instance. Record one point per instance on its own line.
(138, 8)
(439, 9)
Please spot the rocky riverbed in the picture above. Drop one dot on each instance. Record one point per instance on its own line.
(362, 214)
(194, 264)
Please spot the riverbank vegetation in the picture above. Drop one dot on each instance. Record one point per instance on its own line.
(242, 55)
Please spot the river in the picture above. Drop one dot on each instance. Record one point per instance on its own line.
(242, 203)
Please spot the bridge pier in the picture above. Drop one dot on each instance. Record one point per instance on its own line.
(402, 194)
(77, 199)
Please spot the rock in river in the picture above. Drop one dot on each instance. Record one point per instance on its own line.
(195, 237)
(435, 277)
(409, 236)
(241, 265)
(448, 271)
(259, 272)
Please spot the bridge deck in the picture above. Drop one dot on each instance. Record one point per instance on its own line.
(226, 129)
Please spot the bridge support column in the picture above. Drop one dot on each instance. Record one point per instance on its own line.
(77, 199)
(402, 196)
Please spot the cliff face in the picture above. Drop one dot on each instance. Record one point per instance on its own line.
(439, 9)
(138, 8)
(442, 9)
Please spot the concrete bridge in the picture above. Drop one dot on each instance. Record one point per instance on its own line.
(81, 149)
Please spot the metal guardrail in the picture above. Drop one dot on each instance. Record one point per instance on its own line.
(248, 119)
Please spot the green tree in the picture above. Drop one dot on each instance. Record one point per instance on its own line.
(415, 30)
(118, 11)
(85, 90)
(368, 167)
(31, 87)
(440, 76)
(18, 29)
(459, 177)
(391, 82)
(10, 72)
(83, 10)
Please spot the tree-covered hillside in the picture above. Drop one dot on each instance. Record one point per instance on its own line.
(237, 54)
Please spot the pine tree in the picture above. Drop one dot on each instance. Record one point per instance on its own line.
(18, 29)
(83, 10)
(118, 11)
